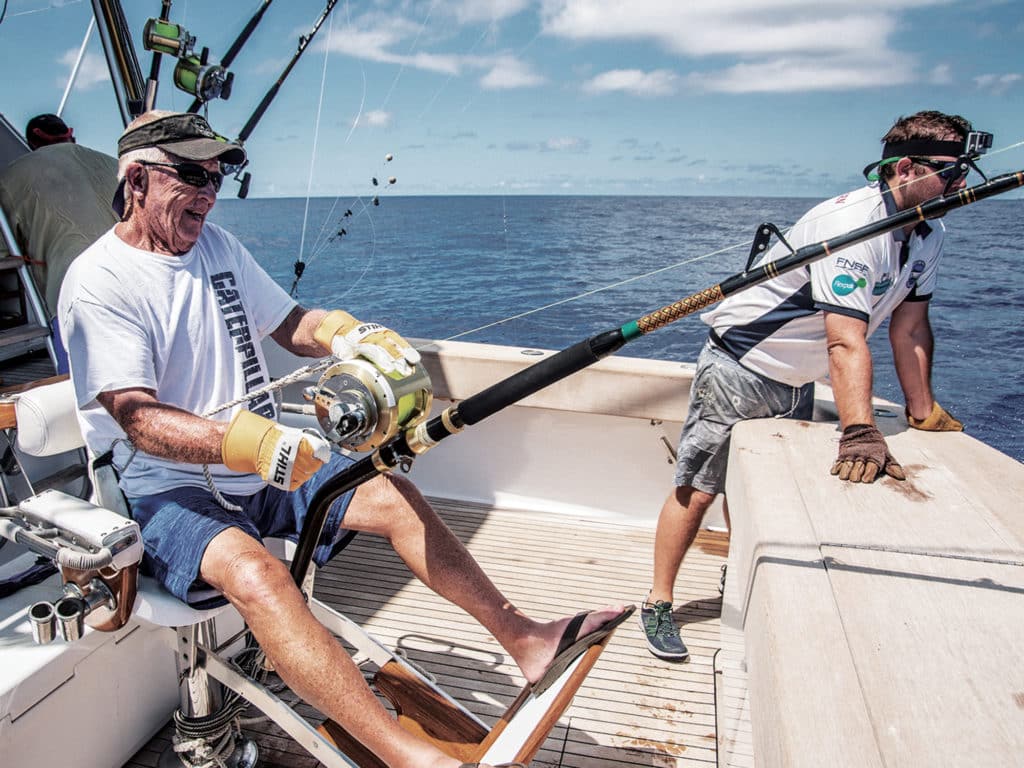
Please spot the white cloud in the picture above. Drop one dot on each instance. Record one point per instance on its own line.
(92, 72)
(941, 74)
(373, 44)
(838, 44)
(507, 72)
(743, 28)
(376, 118)
(997, 84)
(376, 39)
(805, 74)
(469, 11)
(566, 144)
(660, 82)
(571, 144)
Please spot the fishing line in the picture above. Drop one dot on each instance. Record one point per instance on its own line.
(685, 262)
(49, 7)
(412, 45)
(593, 291)
(312, 157)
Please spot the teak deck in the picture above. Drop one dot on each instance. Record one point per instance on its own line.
(633, 710)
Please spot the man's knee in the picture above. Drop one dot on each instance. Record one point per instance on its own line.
(388, 502)
(254, 576)
(693, 499)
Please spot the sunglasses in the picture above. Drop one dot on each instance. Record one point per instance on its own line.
(192, 174)
(947, 170)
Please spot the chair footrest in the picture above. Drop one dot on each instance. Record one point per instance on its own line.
(423, 711)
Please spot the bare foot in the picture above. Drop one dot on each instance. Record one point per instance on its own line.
(535, 653)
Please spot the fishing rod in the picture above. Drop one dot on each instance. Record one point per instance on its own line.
(257, 115)
(420, 436)
(236, 46)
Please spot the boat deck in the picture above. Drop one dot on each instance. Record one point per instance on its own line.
(633, 709)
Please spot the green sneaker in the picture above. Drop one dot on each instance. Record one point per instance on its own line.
(662, 633)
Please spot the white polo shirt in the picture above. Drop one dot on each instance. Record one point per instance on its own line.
(777, 328)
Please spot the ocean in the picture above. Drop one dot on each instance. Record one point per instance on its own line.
(476, 268)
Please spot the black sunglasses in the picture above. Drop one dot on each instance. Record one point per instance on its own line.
(947, 170)
(192, 173)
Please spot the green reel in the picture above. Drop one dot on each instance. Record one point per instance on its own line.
(192, 74)
(204, 81)
(167, 37)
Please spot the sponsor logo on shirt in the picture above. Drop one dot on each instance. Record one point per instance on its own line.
(915, 273)
(852, 266)
(229, 300)
(883, 285)
(844, 285)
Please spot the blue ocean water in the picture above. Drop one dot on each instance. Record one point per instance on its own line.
(439, 267)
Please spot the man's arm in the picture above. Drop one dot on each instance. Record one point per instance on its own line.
(863, 453)
(283, 456)
(164, 430)
(849, 364)
(910, 335)
(295, 333)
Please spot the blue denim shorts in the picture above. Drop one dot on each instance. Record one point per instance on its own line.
(177, 526)
(724, 392)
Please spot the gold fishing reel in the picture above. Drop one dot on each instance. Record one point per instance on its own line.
(360, 408)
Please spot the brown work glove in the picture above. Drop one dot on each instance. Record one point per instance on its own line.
(939, 420)
(862, 454)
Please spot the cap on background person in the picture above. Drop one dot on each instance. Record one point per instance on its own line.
(43, 130)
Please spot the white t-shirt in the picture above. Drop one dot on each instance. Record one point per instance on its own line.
(777, 328)
(188, 327)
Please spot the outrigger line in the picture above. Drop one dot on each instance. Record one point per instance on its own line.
(401, 450)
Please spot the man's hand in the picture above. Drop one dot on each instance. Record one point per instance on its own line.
(346, 338)
(863, 454)
(283, 456)
(939, 420)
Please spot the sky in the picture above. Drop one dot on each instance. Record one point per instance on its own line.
(616, 97)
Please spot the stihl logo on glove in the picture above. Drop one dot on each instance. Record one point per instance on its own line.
(283, 464)
(365, 330)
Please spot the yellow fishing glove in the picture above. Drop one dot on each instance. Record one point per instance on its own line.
(283, 456)
(346, 338)
(939, 420)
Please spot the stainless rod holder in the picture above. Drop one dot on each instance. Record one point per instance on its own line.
(42, 618)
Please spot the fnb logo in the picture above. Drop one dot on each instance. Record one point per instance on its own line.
(281, 464)
(853, 266)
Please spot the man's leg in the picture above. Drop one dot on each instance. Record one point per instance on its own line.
(392, 507)
(304, 653)
(678, 524)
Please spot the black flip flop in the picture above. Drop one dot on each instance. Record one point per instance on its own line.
(570, 648)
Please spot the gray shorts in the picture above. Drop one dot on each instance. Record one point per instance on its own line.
(724, 392)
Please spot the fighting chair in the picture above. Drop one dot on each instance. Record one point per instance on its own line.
(215, 686)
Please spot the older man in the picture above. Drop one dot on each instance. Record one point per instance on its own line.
(768, 345)
(162, 319)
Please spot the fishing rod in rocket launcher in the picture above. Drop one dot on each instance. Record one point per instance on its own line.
(419, 435)
(235, 171)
